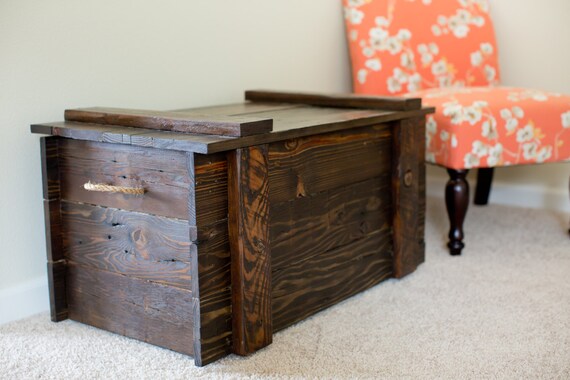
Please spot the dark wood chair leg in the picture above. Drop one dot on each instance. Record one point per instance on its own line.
(457, 201)
(484, 180)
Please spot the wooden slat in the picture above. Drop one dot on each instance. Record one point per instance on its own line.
(244, 108)
(330, 120)
(248, 177)
(57, 290)
(408, 189)
(56, 266)
(309, 165)
(211, 262)
(305, 227)
(163, 175)
(154, 313)
(336, 100)
(306, 287)
(172, 121)
(138, 245)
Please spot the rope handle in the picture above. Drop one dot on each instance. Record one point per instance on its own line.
(113, 189)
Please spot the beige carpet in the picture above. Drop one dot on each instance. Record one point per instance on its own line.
(500, 311)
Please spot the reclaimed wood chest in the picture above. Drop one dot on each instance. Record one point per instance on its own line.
(206, 230)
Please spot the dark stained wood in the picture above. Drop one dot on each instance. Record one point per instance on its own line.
(163, 175)
(484, 181)
(172, 121)
(139, 245)
(56, 265)
(210, 178)
(57, 290)
(306, 287)
(151, 312)
(408, 192)
(330, 120)
(305, 227)
(237, 109)
(211, 262)
(309, 165)
(248, 203)
(457, 202)
(337, 100)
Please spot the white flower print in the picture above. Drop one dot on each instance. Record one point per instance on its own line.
(511, 117)
(394, 45)
(470, 160)
(529, 150)
(490, 73)
(373, 64)
(486, 48)
(394, 85)
(431, 125)
(566, 119)
(525, 134)
(453, 141)
(476, 58)
(479, 149)
(444, 135)
(489, 128)
(361, 75)
(354, 15)
(414, 82)
(453, 110)
(544, 154)
(495, 153)
(367, 51)
(473, 114)
(381, 21)
(404, 34)
(439, 68)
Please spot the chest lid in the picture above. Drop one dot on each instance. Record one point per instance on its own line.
(265, 117)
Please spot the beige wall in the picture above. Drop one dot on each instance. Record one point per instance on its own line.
(168, 54)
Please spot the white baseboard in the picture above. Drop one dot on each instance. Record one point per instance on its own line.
(25, 299)
(511, 194)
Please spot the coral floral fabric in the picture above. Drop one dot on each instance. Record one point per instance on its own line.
(445, 52)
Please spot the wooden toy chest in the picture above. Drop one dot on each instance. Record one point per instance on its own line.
(206, 230)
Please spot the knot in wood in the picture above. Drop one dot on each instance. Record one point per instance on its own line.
(408, 178)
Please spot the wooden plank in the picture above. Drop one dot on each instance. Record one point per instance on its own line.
(309, 165)
(147, 311)
(336, 100)
(211, 262)
(408, 189)
(138, 245)
(56, 266)
(57, 290)
(172, 121)
(248, 203)
(163, 175)
(210, 176)
(344, 120)
(305, 227)
(243, 108)
(306, 287)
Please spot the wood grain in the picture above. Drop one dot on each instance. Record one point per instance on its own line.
(309, 165)
(211, 262)
(139, 245)
(56, 265)
(172, 121)
(147, 311)
(305, 227)
(248, 177)
(163, 175)
(408, 191)
(306, 287)
(336, 100)
(324, 120)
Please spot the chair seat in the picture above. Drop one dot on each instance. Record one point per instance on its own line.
(479, 127)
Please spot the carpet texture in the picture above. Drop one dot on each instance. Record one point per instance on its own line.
(502, 310)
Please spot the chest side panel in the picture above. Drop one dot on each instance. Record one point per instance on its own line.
(330, 219)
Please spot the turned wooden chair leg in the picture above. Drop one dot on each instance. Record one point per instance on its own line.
(457, 201)
(484, 180)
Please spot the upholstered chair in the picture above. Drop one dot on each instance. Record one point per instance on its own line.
(445, 52)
